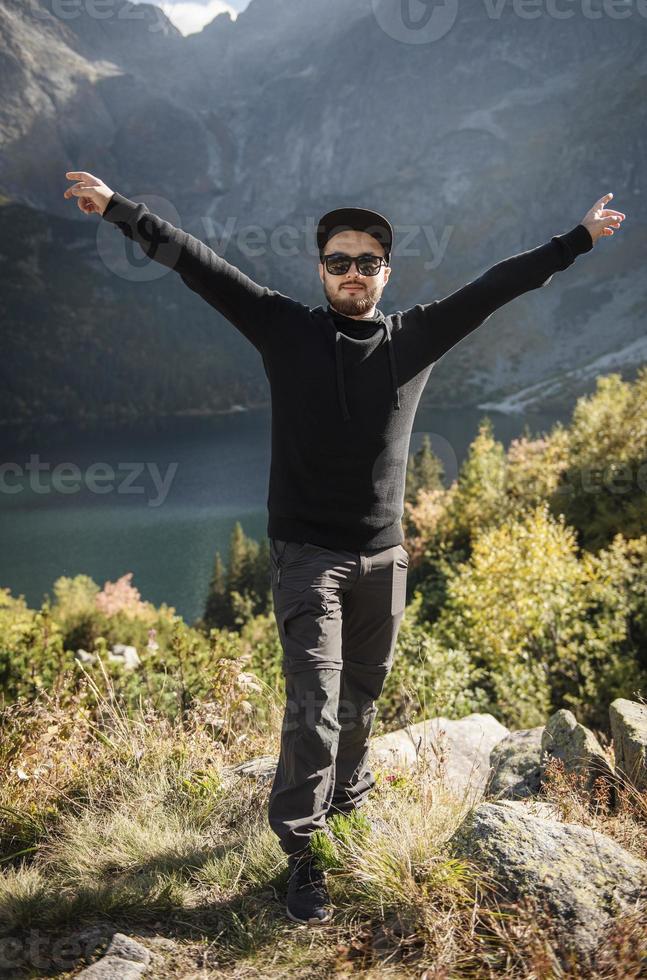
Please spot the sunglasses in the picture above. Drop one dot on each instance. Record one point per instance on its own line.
(338, 263)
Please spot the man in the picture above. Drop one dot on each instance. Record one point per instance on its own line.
(345, 383)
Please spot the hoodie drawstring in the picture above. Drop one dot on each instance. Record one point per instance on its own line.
(339, 365)
(392, 365)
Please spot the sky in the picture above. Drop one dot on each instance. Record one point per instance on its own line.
(190, 16)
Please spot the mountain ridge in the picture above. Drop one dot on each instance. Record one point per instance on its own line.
(279, 114)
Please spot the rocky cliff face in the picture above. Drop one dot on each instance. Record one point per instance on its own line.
(483, 142)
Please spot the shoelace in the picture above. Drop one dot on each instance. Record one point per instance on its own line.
(318, 887)
(314, 877)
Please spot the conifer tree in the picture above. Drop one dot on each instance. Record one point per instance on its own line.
(217, 612)
(424, 472)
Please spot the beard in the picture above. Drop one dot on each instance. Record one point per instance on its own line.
(354, 304)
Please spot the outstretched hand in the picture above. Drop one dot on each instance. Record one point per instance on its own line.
(93, 195)
(601, 220)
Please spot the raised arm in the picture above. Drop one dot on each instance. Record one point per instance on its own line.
(433, 329)
(237, 297)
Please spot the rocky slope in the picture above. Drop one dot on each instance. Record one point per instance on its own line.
(519, 838)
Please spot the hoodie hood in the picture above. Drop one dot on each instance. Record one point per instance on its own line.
(380, 322)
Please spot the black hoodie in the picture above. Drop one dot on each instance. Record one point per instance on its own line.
(344, 392)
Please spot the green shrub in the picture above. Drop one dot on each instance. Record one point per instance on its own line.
(550, 629)
(602, 490)
(427, 678)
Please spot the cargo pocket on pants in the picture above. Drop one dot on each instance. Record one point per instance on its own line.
(309, 627)
(399, 581)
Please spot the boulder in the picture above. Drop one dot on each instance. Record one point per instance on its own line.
(515, 765)
(124, 959)
(535, 807)
(463, 745)
(460, 749)
(261, 768)
(581, 878)
(629, 731)
(566, 739)
(83, 657)
(125, 655)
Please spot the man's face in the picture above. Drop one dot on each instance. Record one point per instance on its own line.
(354, 294)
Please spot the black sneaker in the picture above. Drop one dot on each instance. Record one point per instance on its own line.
(307, 892)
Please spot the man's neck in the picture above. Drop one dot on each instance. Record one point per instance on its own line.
(370, 315)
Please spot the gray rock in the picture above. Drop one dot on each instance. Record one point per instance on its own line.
(629, 731)
(83, 657)
(125, 655)
(578, 748)
(515, 765)
(124, 959)
(582, 878)
(128, 949)
(262, 768)
(536, 808)
(113, 968)
(462, 747)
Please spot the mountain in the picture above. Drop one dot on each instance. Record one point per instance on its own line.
(481, 143)
(78, 343)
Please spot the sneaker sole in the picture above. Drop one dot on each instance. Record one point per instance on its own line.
(312, 921)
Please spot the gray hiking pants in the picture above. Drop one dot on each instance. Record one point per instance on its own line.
(338, 615)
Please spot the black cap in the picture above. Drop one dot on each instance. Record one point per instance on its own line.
(355, 219)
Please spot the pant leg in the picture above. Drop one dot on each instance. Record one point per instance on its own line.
(373, 611)
(302, 789)
(307, 586)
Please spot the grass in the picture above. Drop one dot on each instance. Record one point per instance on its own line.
(138, 825)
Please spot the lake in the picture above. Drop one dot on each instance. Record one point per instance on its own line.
(159, 499)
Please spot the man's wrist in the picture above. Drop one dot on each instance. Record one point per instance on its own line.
(119, 208)
(576, 241)
(107, 204)
(592, 240)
